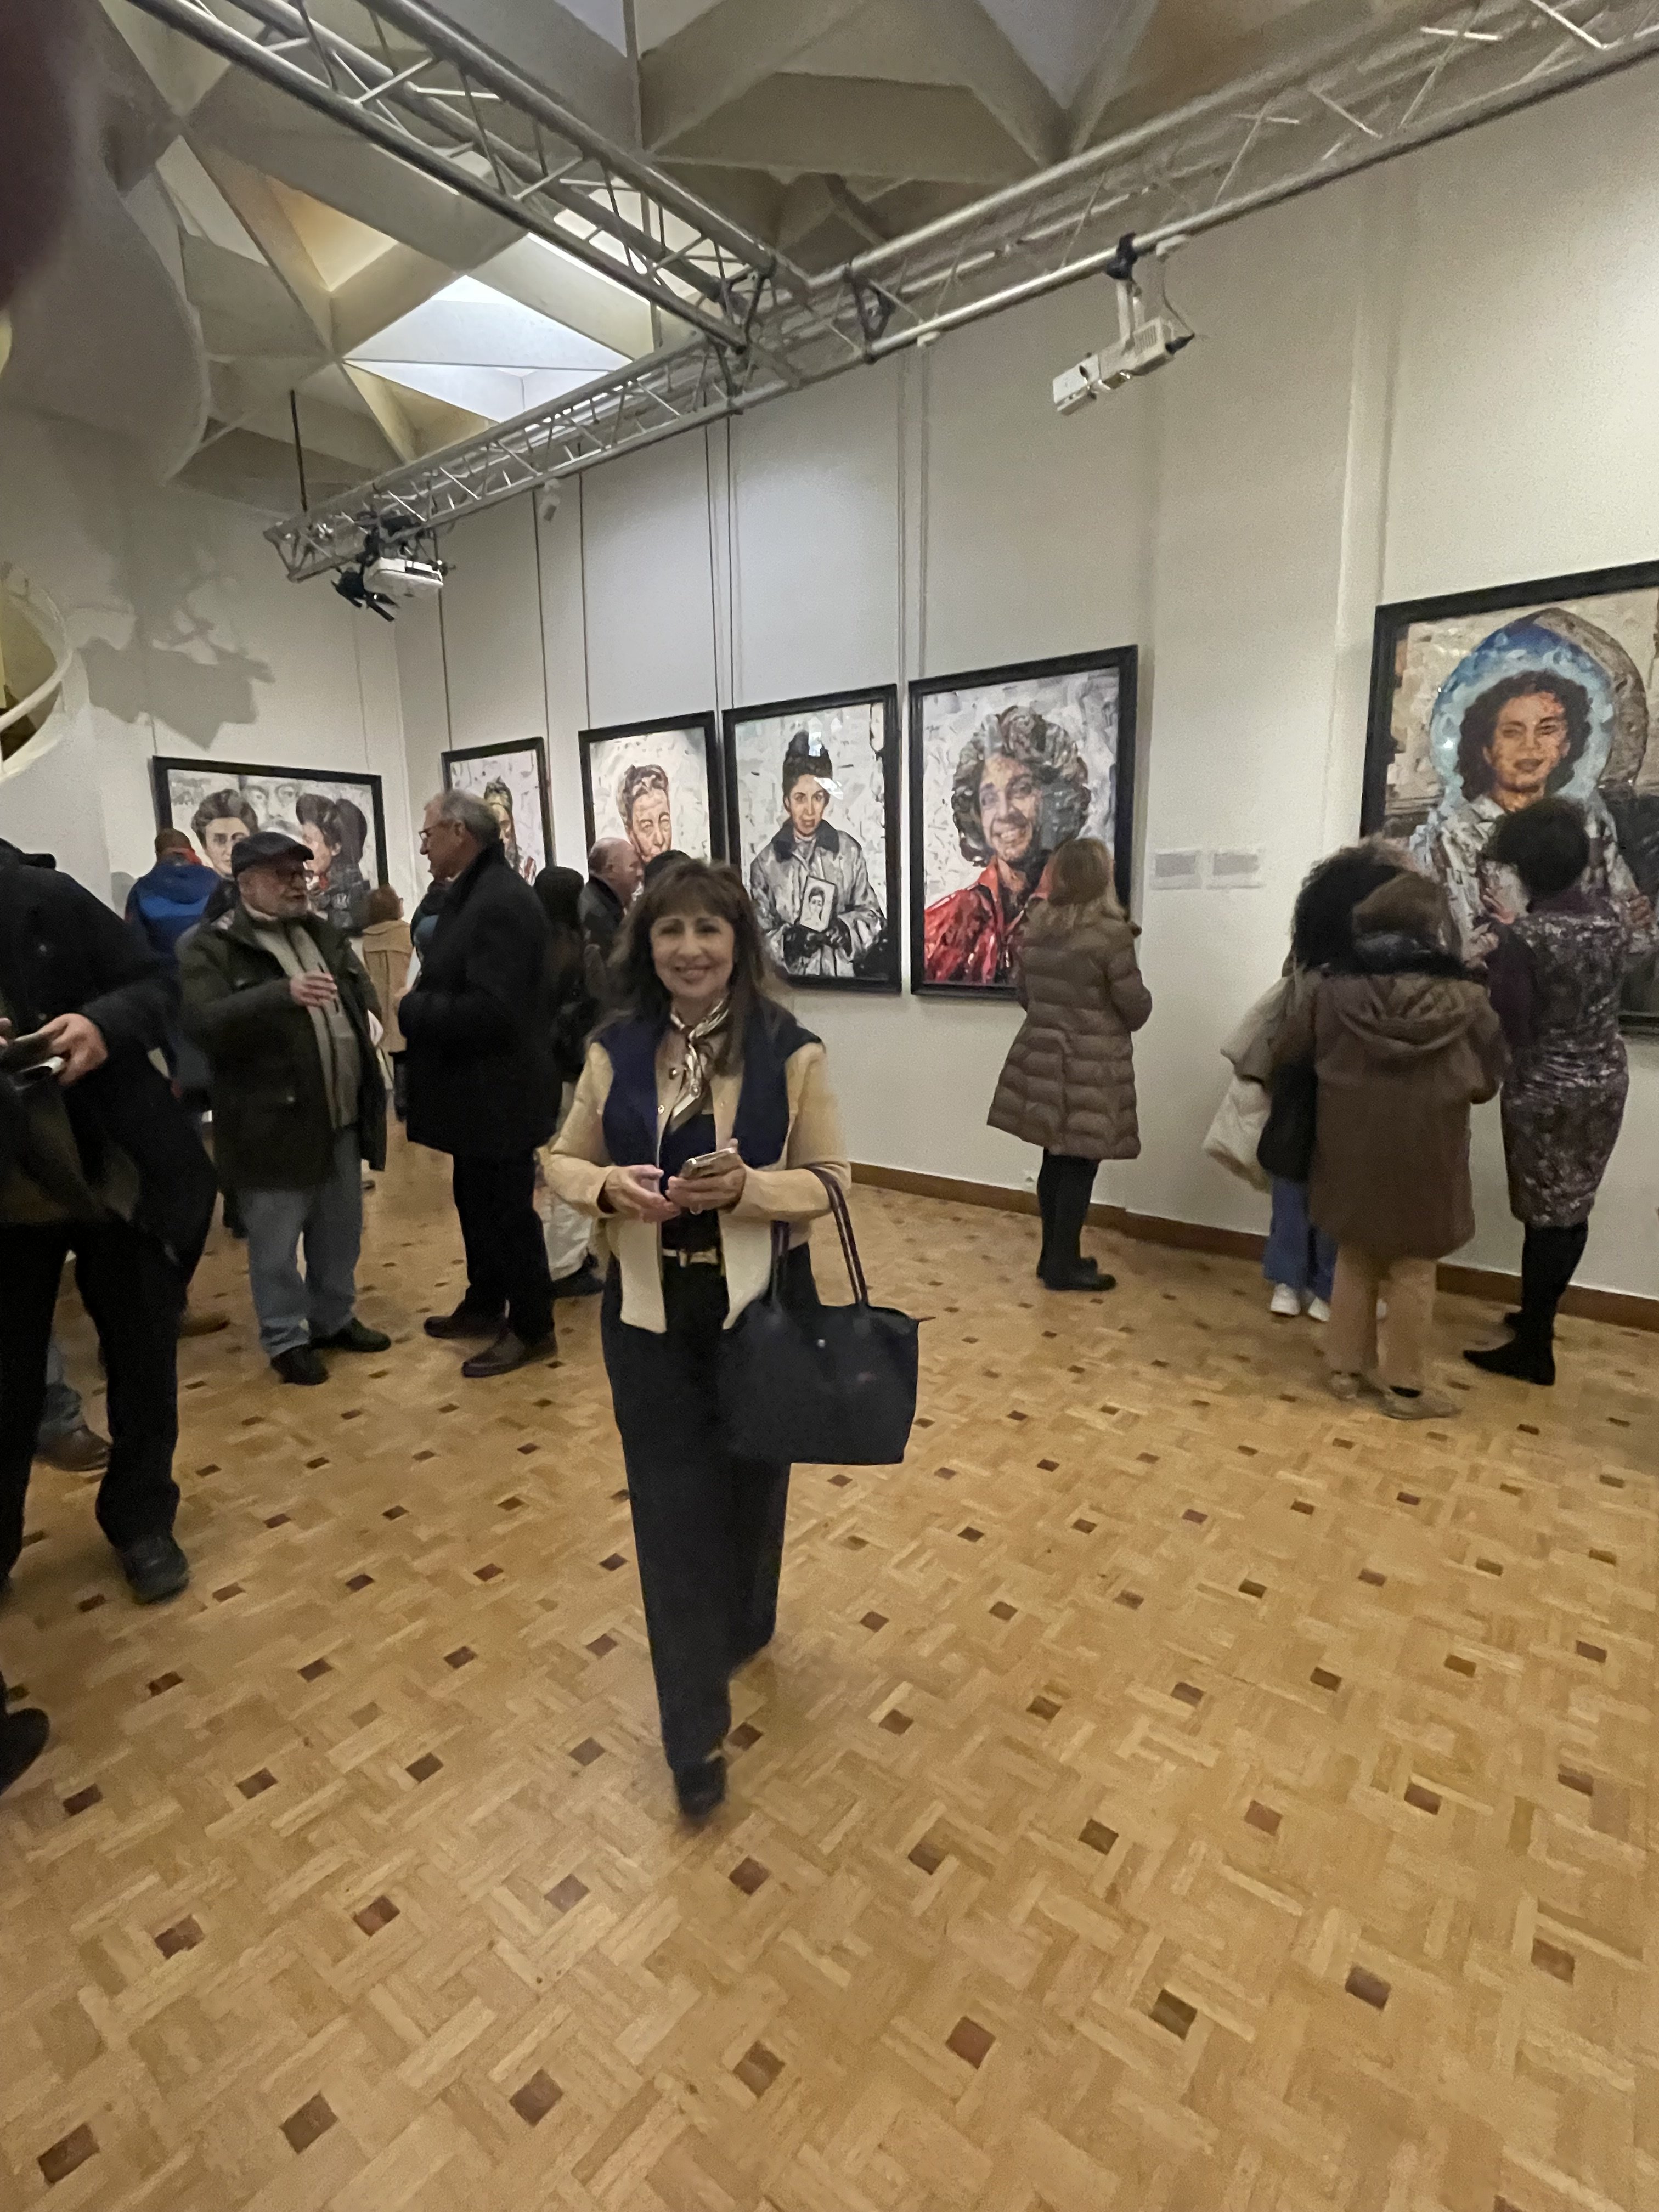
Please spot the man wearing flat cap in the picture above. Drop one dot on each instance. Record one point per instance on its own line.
(281, 1004)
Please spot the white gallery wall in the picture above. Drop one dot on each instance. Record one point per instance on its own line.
(194, 646)
(1434, 378)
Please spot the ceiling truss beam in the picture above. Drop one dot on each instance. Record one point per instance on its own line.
(1376, 92)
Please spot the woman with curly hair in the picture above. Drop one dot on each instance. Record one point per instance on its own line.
(1021, 788)
(1555, 977)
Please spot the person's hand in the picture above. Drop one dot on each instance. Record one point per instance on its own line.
(7, 1032)
(78, 1042)
(839, 937)
(798, 943)
(636, 1194)
(712, 1193)
(313, 989)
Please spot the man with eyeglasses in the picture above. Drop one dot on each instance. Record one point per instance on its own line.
(280, 1003)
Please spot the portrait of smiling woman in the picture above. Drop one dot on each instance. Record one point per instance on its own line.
(703, 1118)
(1484, 706)
(1005, 766)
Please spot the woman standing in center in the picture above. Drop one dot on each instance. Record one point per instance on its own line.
(700, 1058)
(1069, 1081)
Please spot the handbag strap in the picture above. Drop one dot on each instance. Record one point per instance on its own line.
(849, 1248)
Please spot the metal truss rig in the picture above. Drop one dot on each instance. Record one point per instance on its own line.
(759, 327)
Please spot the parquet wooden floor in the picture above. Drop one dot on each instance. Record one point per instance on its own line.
(1169, 1790)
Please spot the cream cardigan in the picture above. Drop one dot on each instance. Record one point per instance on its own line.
(577, 1163)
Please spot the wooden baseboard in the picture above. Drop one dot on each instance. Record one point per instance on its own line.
(1617, 1309)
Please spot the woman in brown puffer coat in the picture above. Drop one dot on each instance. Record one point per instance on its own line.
(1405, 1042)
(1069, 1081)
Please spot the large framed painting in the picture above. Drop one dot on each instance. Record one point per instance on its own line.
(340, 818)
(1006, 764)
(511, 779)
(656, 784)
(811, 794)
(1484, 703)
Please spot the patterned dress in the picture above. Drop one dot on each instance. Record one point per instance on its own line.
(1556, 980)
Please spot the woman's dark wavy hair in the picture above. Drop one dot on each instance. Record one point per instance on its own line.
(1546, 845)
(1474, 769)
(1321, 926)
(696, 887)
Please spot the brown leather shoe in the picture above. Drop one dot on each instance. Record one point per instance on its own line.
(194, 1323)
(507, 1353)
(81, 1451)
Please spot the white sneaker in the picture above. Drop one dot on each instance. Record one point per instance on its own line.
(1286, 1301)
(1318, 1310)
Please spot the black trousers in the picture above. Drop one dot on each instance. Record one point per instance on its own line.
(135, 1296)
(707, 1526)
(1065, 1186)
(506, 1252)
(1548, 1260)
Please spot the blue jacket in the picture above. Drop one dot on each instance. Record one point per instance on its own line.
(163, 904)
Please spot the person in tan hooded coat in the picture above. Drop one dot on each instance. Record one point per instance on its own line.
(1068, 1083)
(1404, 1041)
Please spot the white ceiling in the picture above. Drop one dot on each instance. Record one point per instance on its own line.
(404, 317)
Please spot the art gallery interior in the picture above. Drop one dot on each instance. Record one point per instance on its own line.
(1090, 1933)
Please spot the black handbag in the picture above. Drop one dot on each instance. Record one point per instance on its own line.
(829, 1386)
(1286, 1145)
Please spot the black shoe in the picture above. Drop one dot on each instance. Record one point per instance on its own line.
(154, 1568)
(1086, 1276)
(507, 1353)
(23, 1739)
(300, 1365)
(466, 1321)
(1521, 1361)
(700, 1788)
(583, 1282)
(355, 1336)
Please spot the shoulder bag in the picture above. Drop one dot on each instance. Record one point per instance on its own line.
(1286, 1148)
(826, 1386)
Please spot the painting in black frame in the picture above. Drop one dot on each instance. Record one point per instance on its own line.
(340, 816)
(511, 778)
(1005, 763)
(656, 784)
(1483, 701)
(813, 822)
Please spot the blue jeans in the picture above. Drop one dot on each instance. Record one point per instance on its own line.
(1298, 1256)
(62, 1413)
(329, 1220)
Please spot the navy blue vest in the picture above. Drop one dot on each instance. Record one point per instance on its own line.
(762, 1129)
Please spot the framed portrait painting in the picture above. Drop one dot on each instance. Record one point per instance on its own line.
(656, 784)
(811, 793)
(511, 779)
(1484, 703)
(340, 818)
(1006, 764)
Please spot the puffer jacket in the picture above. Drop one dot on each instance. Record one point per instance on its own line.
(1069, 1082)
(1404, 1042)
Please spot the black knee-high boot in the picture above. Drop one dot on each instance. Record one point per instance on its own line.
(1045, 1194)
(1067, 1270)
(1548, 1260)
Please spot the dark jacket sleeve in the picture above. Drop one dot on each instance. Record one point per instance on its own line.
(503, 971)
(215, 1015)
(1487, 1035)
(1510, 979)
(134, 997)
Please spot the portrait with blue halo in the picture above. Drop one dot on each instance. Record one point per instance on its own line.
(1483, 703)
